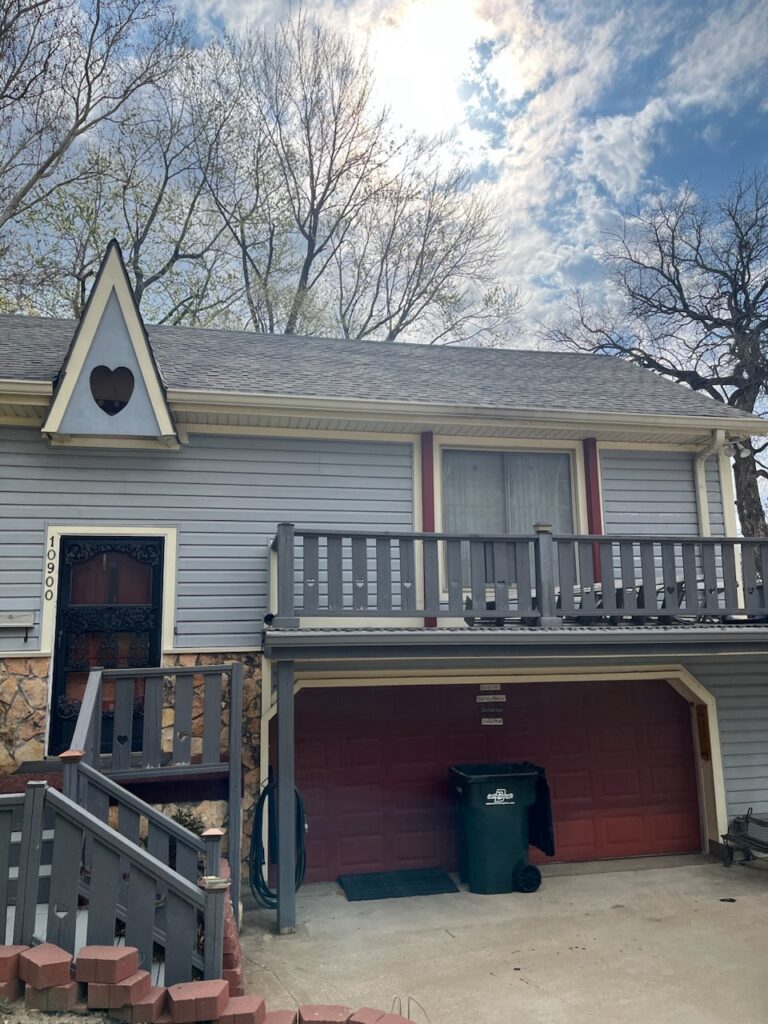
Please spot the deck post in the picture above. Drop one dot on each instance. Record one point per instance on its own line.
(213, 948)
(286, 606)
(29, 862)
(286, 802)
(545, 575)
(71, 759)
(235, 782)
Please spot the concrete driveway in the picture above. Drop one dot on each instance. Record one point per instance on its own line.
(627, 943)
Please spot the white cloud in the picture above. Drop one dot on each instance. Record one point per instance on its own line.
(725, 61)
(572, 140)
(616, 151)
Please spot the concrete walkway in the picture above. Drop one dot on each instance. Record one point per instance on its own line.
(646, 941)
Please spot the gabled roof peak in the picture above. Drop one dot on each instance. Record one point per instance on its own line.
(110, 387)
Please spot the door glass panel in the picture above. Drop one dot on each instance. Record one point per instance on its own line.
(539, 491)
(473, 484)
(113, 578)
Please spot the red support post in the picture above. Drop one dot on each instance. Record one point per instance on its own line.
(594, 496)
(428, 495)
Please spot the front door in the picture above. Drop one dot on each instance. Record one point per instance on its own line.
(109, 615)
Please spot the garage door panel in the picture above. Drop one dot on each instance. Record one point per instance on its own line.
(621, 782)
(571, 786)
(360, 853)
(617, 739)
(672, 778)
(373, 766)
(664, 736)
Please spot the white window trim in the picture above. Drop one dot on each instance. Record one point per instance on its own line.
(572, 448)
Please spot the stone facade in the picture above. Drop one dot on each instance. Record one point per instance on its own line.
(23, 706)
(209, 811)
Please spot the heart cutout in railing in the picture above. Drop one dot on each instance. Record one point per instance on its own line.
(122, 740)
(111, 389)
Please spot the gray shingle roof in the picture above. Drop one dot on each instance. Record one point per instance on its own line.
(33, 348)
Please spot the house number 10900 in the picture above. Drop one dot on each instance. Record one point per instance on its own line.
(50, 569)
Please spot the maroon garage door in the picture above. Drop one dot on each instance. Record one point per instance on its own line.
(372, 766)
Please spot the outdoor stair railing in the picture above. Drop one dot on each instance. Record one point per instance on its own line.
(96, 864)
(536, 579)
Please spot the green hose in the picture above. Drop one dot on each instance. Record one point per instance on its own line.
(257, 856)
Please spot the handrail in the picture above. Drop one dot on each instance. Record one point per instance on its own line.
(82, 736)
(124, 797)
(124, 847)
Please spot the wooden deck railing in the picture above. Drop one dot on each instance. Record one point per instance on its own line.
(96, 863)
(181, 733)
(78, 881)
(538, 579)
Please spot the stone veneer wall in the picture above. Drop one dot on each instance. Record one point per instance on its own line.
(213, 813)
(23, 707)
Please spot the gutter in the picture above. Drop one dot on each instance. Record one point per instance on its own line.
(191, 400)
(715, 447)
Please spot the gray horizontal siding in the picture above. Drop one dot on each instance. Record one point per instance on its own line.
(741, 690)
(647, 492)
(224, 494)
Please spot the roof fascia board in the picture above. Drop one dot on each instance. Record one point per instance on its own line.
(112, 276)
(189, 400)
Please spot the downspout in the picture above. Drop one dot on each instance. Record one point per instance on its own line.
(714, 447)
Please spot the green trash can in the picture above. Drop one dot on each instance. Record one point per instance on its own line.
(494, 804)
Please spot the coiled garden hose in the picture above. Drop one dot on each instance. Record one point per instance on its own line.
(257, 856)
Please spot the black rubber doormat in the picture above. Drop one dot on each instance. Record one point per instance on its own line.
(390, 885)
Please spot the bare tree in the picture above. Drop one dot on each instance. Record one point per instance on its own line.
(146, 187)
(342, 224)
(423, 257)
(65, 69)
(691, 277)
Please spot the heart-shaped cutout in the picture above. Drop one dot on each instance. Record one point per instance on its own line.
(111, 389)
(122, 740)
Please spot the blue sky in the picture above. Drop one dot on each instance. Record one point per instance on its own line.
(571, 109)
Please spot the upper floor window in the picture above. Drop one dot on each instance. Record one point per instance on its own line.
(506, 492)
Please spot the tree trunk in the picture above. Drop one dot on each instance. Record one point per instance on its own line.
(749, 504)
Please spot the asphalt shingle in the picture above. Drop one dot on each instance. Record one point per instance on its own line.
(33, 348)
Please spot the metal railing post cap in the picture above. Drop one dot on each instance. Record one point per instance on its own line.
(71, 756)
(542, 527)
(212, 883)
(212, 833)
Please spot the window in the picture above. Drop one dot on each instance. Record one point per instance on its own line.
(506, 492)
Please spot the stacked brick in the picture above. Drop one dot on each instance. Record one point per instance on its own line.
(108, 979)
(232, 964)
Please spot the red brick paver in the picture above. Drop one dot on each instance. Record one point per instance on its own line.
(106, 964)
(130, 989)
(9, 961)
(11, 990)
(244, 1010)
(281, 1017)
(55, 999)
(366, 1015)
(45, 965)
(197, 1000)
(311, 1014)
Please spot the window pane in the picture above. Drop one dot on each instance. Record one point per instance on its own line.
(473, 492)
(539, 491)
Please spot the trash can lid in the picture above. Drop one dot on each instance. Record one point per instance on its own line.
(502, 769)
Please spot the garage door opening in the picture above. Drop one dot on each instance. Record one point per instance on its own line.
(372, 765)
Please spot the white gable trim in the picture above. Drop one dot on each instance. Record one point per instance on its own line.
(112, 277)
